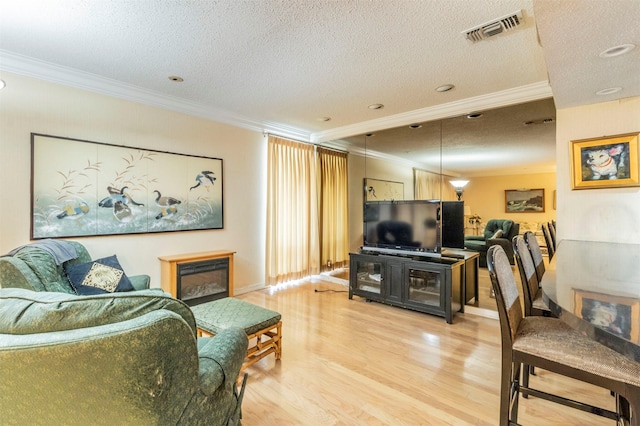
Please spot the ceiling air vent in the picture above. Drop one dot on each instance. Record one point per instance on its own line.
(494, 27)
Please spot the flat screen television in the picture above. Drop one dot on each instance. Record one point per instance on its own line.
(453, 224)
(403, 225)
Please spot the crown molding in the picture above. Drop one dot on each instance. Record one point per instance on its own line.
(47, 71)
(368, 153)
(516, 95)
(362, 152)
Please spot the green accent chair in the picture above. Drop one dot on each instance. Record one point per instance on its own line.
(496, 232)
(35, 269)
(114, 359)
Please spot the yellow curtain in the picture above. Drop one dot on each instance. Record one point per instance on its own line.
(334, 200)
(293, 250)
(427, 186)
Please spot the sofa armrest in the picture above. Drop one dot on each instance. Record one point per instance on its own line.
(28, 312)
(140, 282)
(14, 273)
(221, 358)
(474, 237)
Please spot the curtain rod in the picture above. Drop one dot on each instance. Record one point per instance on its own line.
(306, 143)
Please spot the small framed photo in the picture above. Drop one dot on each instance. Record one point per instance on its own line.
(524, 200)
(607, 162)
(616, 314)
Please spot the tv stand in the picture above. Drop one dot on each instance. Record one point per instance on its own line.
(408, 279)
(397, 252)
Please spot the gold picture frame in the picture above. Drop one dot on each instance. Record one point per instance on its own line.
(524, 200)
(617, 314)
(606, 162)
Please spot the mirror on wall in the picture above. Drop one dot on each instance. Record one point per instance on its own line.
(504, 141)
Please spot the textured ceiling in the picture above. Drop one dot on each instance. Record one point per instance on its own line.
(573, 33)
(283, 64)
(471, 146)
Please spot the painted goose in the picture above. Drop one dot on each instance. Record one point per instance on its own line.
(204, 178)
(116, 195)
(165, 201)
(122, 212)
(167, 212)
(73, 212)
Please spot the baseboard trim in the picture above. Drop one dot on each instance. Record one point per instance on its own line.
(249, 289)
(481, 312)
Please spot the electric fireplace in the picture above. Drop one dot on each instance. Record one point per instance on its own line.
(198, 277)
(200, 282)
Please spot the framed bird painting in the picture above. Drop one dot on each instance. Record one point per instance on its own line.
(85, 188)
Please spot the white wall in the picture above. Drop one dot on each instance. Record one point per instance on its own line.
(29, 105)
(608, 215)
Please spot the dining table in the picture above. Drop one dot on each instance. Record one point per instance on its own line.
(595, 288)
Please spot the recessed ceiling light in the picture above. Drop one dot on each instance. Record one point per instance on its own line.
(376, 106)
(323, 118)
(415, 126)
(2, 84)
(617, 50)
(608, 91)
(474, 115)
(176, 78)
(445, 88)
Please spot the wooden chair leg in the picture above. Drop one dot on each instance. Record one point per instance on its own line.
(525, 378)
(515, 392)
(506, 379)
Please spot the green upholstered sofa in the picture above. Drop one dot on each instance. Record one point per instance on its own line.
(481, 243)
(129, 358)
(35, 269)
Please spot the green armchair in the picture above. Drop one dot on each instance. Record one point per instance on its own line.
(120, 358)
(35, 269)
(496, 232)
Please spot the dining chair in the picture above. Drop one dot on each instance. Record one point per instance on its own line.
(551, 249)
(552, 232)
(532, 295)
(552, 345)
(536, 254)
(531, 292)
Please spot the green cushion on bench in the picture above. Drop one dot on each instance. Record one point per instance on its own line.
(229, 312)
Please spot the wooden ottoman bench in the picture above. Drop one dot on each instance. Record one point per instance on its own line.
(263, 327)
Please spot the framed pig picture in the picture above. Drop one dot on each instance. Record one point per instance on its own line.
(607, 162)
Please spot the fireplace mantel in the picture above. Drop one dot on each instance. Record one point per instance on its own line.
(169, 267)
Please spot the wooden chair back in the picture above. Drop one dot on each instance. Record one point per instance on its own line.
(507, 296)
(536, 254)
(527, 270)
(551, 249)
(552, 233)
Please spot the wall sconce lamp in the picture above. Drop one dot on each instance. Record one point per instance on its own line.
(459, 185)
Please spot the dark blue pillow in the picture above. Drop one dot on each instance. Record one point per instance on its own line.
(98, 277)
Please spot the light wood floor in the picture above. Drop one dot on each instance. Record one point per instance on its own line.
(350, 362)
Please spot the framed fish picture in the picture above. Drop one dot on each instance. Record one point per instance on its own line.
(84, 188)
(607, 162)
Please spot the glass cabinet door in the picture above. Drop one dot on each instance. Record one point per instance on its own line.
(424, 287)
(369, 275)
